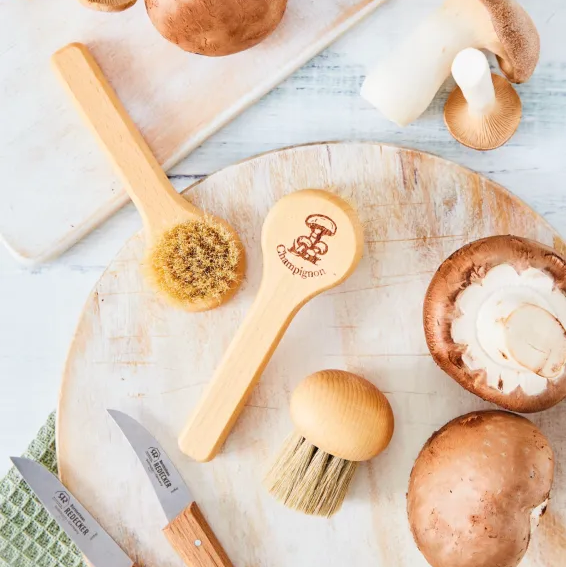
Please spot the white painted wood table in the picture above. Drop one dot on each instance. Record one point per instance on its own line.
(39, 307)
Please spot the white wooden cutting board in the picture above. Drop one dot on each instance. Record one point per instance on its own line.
(176, 98)
(134, 353)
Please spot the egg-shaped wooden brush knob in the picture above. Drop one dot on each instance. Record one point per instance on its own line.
(342, 414)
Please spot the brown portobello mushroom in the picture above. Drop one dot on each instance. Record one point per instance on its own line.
(215, 27)
(495, 318)
(478, 489)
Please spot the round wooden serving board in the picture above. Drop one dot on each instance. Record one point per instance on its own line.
(134, 353)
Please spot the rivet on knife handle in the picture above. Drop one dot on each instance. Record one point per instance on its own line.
(188, 532)
(194, 541)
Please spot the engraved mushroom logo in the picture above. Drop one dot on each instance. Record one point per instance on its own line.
(312, 247)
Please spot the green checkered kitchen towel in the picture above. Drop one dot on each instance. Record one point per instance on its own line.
(29, 537)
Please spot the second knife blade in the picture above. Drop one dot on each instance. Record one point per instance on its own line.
(172, 492)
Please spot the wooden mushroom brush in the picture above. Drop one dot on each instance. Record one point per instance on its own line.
(484, 111)
(340, 420)
(196, 260)
(108, 5)
(312, 240)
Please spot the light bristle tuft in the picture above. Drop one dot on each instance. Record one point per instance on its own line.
(309, 480)
(195, 261)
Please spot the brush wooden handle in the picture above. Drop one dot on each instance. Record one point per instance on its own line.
(312, 240)
(238, 373)
(194, 541)
(147, 184)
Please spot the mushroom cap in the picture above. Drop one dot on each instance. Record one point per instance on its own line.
(108, 5)
(478, 488)
(466, 266)
(342, 414)
(215, 27)
(518, 36)
(489, 131)
(328, 225)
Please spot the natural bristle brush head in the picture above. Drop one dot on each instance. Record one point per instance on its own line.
(196, 262)
(340, 419)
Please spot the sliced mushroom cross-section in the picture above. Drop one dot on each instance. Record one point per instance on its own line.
(495, 321)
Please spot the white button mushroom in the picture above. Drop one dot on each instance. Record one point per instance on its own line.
(495, 321)
(403, 86)
(478, 489)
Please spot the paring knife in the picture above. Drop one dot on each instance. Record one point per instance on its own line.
(96, 545)
(188, 531)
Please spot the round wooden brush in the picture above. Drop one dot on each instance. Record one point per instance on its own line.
(340, 419)
(197, 261)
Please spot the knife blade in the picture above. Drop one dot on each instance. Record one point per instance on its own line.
(187, 531)
(73, 518)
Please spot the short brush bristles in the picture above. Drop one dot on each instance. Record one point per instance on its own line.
(195, 261)
(309, 480)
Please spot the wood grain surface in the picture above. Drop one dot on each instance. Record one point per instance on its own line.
(343, 414)
(177, 99)
(194, 540)
(134, 353)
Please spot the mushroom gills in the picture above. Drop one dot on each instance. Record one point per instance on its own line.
(536, 514)
(513, 327)
(484, 110)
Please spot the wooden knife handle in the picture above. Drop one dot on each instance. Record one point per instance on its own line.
(194, 541)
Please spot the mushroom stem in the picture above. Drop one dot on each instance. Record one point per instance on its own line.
(536, 340)
(484, 111)
(403, 86)
(472, 74)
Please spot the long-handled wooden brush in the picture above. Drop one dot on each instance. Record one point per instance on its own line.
(195, 260)
(340, 419)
